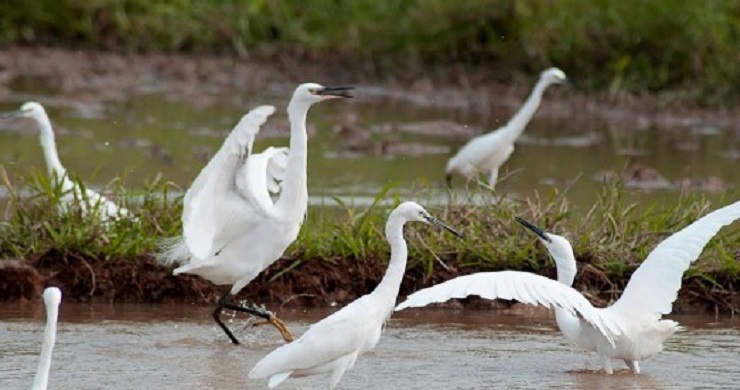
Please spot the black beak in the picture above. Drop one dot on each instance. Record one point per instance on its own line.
(342, 92)
(12, 114)
(436, 222)
(539, 232)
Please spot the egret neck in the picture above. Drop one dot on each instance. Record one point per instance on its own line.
(40, 381)
(48, 144)
(391, 282)
(519, 121)
(294, 197)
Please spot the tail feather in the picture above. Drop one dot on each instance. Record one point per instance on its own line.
(173, 250)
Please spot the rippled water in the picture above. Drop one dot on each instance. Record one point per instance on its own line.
(178, 347)
(143, 136)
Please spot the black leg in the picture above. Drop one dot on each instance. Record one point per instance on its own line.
(217, 316)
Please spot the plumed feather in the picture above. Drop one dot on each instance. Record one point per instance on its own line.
(655, 284)
(524, 287)
(200, 221)
(261, 175)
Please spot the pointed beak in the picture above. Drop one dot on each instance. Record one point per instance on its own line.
(539, 232)
(340, 92)
(12, 114)
(436, 222)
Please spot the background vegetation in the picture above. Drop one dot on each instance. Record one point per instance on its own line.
(689, 48)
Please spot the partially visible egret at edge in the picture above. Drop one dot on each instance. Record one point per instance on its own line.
(334, 343)
(232, 228)
(636, 317)
(486, 153)
(52, 299)
(71, 191)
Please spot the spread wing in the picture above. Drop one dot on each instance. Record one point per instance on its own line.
(200, 218)
(655, 284)
(524, 287)
(261, 175)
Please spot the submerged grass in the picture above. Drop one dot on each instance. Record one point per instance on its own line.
(643, 46)
(610, 238)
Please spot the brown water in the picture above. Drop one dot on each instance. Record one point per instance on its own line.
(142, 136)
(178, 347)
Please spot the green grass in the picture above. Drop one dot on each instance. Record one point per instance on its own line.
(610, 238)
(686, 47)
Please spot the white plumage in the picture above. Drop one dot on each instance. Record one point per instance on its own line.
(634, 320)
(72, 193)
(334, 343)
(52, 299)
(232, 229)
(486, 153)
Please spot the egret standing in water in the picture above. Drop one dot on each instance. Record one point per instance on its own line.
(52, 299)
(334, 343)
(636, 316)
(488, 152)
(232, 229)
(72, 192)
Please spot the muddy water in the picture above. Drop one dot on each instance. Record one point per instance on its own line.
(139, 137)
(177, 347)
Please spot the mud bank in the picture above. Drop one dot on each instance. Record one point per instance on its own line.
(314, 283)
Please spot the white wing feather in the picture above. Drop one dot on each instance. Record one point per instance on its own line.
(524, 287)
(200, 222)
(655, 284)
(261, 175)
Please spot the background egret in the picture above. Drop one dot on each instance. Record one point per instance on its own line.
(71, 191)
(334, 343)
(488, 152)
(52, 299)
(232, 229)
(636, 316)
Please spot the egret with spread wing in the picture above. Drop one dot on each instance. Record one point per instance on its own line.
(72, 193)
(52, 299)
(634, 320)
(334, 343)
(488, 152)
(232, 229)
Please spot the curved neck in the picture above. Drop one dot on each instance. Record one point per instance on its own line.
(566, 268)
(48, 144)
(391, 283)
(294, 195)
(40, 381)
(519, 121)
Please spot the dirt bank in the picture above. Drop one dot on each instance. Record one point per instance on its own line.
(202, 80)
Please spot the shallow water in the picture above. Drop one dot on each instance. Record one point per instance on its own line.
(139, 137)
(178, 347)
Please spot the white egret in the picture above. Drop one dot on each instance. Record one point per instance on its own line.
(334, 343)
(635, 318)
(52, 299)
(488, 152)
(71, 191)
(232, 229)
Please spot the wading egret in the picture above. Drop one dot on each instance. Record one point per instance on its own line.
(636, 315)
(334, 343)
(72, 193)
(486, 153)
(232, 229)
(52, 299)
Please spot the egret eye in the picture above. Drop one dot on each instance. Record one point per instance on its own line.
(312, 91)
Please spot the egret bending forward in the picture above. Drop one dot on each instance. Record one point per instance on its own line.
(232, 229)
(488, 152)
(636, 315)
(334, 343)
(71, 191)
(52, 299)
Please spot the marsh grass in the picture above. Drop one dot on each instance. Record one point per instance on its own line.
(610, 238)
(688, 47)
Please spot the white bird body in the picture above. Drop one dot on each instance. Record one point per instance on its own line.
(52, 299)
(71, 192)
(232, 228)
(486, 153)
(631, 328)
(334, 343)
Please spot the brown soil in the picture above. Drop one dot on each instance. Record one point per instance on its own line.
(203, 80)
(315, 283)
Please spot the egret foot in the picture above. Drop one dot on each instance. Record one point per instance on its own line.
(279, 324)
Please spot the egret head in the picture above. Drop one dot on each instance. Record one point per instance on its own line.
(558, 246)
(28, 110)
(412, 211)
(311, 93)
(52, 296)
(553, 76)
